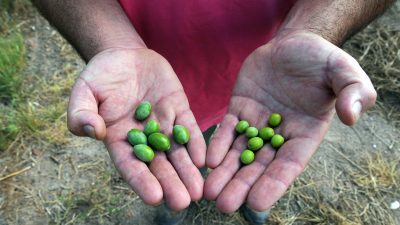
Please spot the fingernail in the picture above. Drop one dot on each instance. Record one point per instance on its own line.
(356, 109)
(89, 131)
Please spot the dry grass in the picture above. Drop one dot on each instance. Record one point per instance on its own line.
(349, 195)
(32, 106)
(38, 110)
(377, 48)
(94, 203)
(378, 174)
(44, 109)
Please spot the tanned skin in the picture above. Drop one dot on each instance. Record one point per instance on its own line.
(334, 20)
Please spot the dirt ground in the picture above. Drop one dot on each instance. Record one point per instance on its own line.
(76, 183)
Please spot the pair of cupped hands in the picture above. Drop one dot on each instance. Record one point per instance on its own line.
(298, 74)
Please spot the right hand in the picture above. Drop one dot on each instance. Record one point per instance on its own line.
(102, 105)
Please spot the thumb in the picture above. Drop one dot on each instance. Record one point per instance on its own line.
(83, 118)
(352, 87)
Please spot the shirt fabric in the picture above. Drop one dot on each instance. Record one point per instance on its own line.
(206, 43)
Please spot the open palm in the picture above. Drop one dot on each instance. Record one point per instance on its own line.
(304, 78)
(103, 101)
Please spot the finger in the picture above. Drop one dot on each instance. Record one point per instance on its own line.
(353, 88)
(289, 162)
(187, 171)
(252, 111)
(221, 141)
(83, 117)
(244, 179)
(220, 176)
(175, 193)
(196, 145)
(136, 173)
(166, 108)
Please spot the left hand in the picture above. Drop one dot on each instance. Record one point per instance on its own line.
(304, 78)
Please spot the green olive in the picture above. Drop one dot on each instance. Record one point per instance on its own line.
(266, 133)
(251, 132)
(143, 110)
(143, 152)
(242, 126)
(159, 142)
(274, 119)
(247, 157)
(277, 141)
(181, 134)
(151, 127)
(255, 143)
(136, 136)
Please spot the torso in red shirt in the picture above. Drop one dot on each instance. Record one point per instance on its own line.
(206, 43)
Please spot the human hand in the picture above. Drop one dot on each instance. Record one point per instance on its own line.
(304, 78)
(102, 105)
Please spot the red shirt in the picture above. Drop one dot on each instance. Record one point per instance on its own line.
(206, 43)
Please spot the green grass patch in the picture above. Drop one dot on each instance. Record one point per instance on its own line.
(12, 62)
(31, 105)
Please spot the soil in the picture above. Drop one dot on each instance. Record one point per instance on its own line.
(38, 195)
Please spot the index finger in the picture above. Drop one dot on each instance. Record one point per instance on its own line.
(135, 172)
(289, 163)
(221, 141)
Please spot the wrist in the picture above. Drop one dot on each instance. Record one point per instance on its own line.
(287, 33)
(335, 38)
(126, 41)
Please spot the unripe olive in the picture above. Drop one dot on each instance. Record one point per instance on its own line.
(143, 110)
(255, 143)
(241, 126)
(181, 134)
(251, 132)
(274, 119)
(266, 133)
(277, 141)
(159, 142)
(143, 152)
(136, 136)
(247, 157)
(151, 127)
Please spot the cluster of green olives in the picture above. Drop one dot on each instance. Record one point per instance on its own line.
(144, 142)
(257, 137)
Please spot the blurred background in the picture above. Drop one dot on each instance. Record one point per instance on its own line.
(49, 176)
